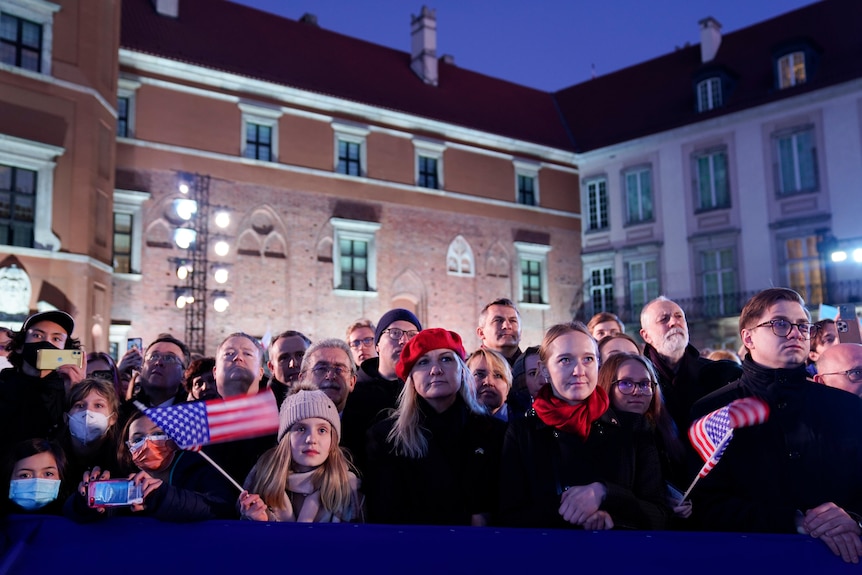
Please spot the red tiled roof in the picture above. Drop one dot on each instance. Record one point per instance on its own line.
(225, 36)
(660, 94)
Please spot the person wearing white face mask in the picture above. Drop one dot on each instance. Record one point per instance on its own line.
(33, 474)
(90, 438)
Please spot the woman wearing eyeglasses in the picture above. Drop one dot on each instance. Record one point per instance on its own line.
(573, 463)
(177, 485)
(630, 381)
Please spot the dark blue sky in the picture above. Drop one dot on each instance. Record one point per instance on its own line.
(545, 44)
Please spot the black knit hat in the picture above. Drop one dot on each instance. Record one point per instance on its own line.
(391, 317)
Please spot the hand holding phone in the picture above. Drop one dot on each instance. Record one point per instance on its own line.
(114, 493)
(134, 342)
(54, 358)
(847, 324)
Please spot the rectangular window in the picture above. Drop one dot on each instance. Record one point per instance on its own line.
(428, 174)
(643, 284)
(526, 190)
(711, 184)
(17, 206)
(349, 158)
(797, 162)
(791, 70)
(804, 268)
(122, 243)
(719, 282)
(354, 264)
(258, 141)
(122, 117)
(638, 195)
(709, 94)
(597, 204)
(20, 43)
(602, 289)
(531, 281)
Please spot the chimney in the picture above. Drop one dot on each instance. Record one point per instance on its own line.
(423, 33)
(309, 18)
(168, 7)
(710, 38)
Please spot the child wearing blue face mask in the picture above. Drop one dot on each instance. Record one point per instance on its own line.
(90, 437)
(34, 474)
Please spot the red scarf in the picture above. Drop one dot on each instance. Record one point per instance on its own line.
(570, 418)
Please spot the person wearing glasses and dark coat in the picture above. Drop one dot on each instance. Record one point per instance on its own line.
(574, 461)
(377, 388)
(801, 470)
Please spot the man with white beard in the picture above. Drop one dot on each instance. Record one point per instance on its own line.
(684, 376)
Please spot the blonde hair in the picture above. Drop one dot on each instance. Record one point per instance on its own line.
(407, 435)
(269, 478)
(496, 363)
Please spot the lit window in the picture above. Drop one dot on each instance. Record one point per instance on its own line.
(709, 94)
(122, 243)
(791, 70)
(712, 190)
(804, 268)
(797, 161)
(128, 235)
(638, 184)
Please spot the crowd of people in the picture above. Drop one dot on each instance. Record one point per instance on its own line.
(399, 424)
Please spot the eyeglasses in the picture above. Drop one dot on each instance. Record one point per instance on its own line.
(854, 375)
(105, 374)
(165, 358)
(364, 342)
(321, 371)
(782, 327)
(627, 387)
(139, 443)
(396, 334)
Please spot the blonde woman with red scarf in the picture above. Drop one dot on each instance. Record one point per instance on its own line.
(570, 463)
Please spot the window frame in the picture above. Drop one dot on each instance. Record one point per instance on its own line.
(264, 116)
(355, 134)
(131, 202)
(355, 230)
(128, 89)
(710, 153)
(725, 300)
(431, 150)
(39, 12)
(608, 300)
(793, 134)
(40, 158)
(525, 169)
(533, 253)
(649, 295)
(708, 93)
(602, 204)
(791, 80)
(638, 171)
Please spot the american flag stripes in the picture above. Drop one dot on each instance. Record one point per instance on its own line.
(710, 434)
(198, 423)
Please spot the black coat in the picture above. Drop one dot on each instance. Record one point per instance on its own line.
(808, 452)
(540, 462)
(30, 407)
(459, 476)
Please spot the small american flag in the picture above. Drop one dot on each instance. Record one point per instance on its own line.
(198, 423)
(710, 434)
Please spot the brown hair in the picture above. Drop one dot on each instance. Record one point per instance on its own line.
(762, 301)
(817, 338)
(559, 330)
(602, 317)
(608, 338)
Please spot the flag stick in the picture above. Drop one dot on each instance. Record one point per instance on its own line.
(711, 460)
(220, 470)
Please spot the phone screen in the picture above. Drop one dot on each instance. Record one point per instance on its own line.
(134, 342)
(114, 493)
(848, 324)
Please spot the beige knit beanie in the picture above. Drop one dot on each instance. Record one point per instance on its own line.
(304, 404)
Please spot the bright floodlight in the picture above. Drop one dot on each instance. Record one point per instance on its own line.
(857, 255)
(184, 188)
(222, 219)
(220, 304)
(221, 275)
(185, 208)
(222, 248)
(184, 237)
(839, 256)
(183, 271)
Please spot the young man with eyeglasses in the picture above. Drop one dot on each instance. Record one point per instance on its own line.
(286, 351)
(801, 470)
(377, 385)
(841, 367)
(360, 338)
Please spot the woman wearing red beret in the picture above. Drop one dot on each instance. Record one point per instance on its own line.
(436, 460)
(571, 462)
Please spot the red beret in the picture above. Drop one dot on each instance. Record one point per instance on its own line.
(425, 341)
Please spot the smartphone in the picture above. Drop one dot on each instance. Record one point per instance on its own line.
(134, 342)
(848, 324)
(114, 493)
(54, 358)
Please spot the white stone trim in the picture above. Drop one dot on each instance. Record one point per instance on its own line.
(536, 253)
(354, 230)
(262, 115)
(42, 13)
(131, 202)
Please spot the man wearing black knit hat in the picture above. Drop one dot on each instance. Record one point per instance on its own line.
(377, 385)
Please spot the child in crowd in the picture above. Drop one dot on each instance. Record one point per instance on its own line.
(90, 438)
(34, 475)
(305, 478)
(177, 485)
